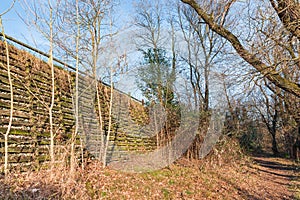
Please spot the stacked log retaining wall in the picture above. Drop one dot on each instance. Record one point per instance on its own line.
(29, 137)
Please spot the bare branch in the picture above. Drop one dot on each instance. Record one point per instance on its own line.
(268, 72)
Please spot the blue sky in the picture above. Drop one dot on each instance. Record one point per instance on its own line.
(15, 27)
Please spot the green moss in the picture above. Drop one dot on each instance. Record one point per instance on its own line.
(103, 194)
(166, 193)
(188, 192)
(44, 142)
(20, 132)
(21, 149)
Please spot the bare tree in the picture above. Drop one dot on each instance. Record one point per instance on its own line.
(287, 10)
(95, 25)
(76, 98)
(157, 75)
(50, 63)
(200, 54)
(149, 21)
(289, 13)
(6, 170)
(276, 46)
(44, 18)
(268, 108)
(203, 48)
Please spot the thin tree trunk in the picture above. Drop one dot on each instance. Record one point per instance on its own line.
(109, 118)
(296, 146)
(73, 139)
(6, 170)
(101, 153)
(50, 63)
(104, 158)
(109, 122)
(273, 131)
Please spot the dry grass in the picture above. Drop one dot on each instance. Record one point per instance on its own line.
(217, 177)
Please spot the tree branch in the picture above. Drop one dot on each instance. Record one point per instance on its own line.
(270, 73)
(288, 12)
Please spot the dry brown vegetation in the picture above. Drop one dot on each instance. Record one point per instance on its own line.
(226, 174)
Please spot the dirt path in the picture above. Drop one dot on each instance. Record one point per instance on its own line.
(279, 178)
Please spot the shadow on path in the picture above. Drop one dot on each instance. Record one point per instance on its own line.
(282, 170)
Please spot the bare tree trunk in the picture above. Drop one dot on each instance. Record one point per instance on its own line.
(109, 122)
(110, 103)
(203, 49)
(6, 170)
(296, 146)
(50, 63)
(101, 153)
(273, 132)
(73, 139)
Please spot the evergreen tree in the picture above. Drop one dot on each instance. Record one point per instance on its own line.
(156, 77)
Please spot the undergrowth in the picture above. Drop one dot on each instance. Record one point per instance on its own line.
(224, 174)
